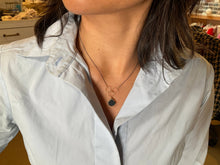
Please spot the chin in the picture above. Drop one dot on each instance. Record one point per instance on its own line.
(80, 7)
(89, 7)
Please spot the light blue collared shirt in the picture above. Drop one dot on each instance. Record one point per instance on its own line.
(47, 94)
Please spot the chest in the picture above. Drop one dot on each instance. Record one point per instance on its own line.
(55, 116)
(112, 97)
(73, 127)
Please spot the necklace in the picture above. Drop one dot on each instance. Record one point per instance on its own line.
(111, 91)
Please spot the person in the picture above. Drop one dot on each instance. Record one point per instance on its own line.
(108, 83)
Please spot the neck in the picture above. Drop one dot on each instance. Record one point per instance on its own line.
(111, 39)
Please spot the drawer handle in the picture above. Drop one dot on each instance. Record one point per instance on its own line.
(11, 35)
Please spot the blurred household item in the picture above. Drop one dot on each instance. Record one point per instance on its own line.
(27, 14)
(207, 8)
(1, 13)
(13, 6)
(22, 10)
(6, 18)
(208, 11)
(37, 5)
(210, 31)
(29, 1)
(218, 30)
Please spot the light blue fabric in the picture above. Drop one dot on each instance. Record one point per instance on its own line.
(47, 94)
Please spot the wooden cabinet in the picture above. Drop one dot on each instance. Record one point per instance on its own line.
(16, 30)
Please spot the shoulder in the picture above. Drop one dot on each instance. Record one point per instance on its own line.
(199, 64)
(14, 56)
(196, 68)
(21, 56)
(20, 47)
(199, 71)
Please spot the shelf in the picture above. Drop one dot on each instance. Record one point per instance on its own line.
(215, 18)
(205, 19)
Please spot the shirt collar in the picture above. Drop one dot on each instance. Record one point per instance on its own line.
(61, 50)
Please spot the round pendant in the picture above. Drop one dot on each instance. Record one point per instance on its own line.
(111, 102)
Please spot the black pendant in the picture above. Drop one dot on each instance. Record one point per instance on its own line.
(111, 102)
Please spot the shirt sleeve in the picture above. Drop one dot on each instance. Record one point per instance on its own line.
(196, 142)
(8, 128)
